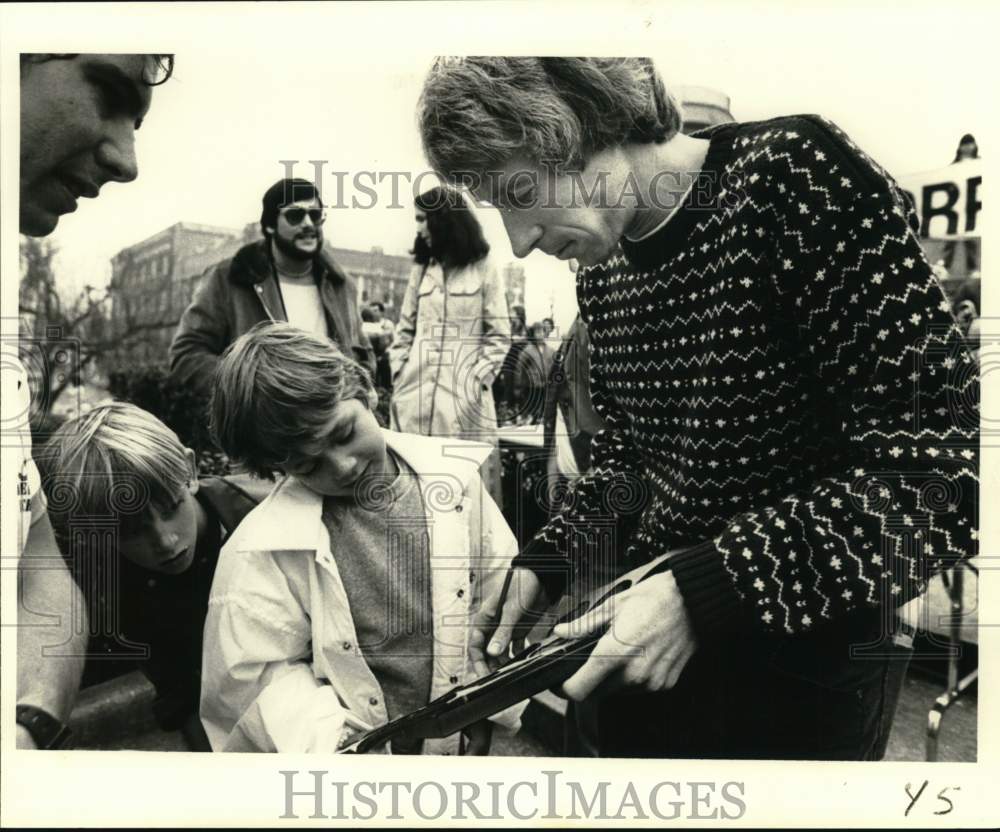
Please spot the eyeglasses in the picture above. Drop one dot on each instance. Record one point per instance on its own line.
(295, 216)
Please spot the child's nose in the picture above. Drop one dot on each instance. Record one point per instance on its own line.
(166, 538)
(343, 465)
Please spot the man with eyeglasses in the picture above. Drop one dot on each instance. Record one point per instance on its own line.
(79, 114)
(287, 276)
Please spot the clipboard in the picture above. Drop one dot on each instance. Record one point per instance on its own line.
(541, 666)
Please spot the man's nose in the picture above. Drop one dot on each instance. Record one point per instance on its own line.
(116, 154)
(524, 235)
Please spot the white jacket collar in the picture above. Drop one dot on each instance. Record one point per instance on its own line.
(435, 459)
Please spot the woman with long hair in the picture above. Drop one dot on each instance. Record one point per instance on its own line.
(453, 331)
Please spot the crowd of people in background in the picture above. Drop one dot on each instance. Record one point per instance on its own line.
(148, 589)
(266, 595)
(453, 330)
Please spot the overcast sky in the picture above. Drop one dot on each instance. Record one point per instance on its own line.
(255, 85)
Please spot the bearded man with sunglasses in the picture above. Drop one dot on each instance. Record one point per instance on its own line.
(287, 276)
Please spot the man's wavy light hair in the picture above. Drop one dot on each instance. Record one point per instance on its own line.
(478, 113)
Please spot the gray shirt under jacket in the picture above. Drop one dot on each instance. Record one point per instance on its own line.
(380, 544)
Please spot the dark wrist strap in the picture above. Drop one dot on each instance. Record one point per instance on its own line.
(47, 731)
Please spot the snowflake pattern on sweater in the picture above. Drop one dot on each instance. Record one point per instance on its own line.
(784, 385)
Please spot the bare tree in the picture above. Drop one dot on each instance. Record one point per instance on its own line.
(62, 332)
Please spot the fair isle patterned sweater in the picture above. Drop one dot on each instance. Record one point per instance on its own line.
(788, 398)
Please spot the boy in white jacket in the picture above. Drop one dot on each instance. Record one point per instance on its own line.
(345, 599)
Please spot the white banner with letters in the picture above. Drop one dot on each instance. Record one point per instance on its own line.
(949, 201)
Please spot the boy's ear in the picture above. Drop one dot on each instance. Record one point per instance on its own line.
(192, 462)
(372, 400)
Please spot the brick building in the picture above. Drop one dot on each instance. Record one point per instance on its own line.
(380, 277)
(153, 282)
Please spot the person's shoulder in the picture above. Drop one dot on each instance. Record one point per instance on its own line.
(237, 268)
(281, 520)
(270, 549)
(779, 132)
(488, 266)
(232, 497)
(332, 270)
(810, 146)
(438, 459)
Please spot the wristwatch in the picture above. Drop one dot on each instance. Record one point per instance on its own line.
(47, 731)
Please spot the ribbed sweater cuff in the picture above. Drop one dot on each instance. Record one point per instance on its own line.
(712, 601)
(552, 570)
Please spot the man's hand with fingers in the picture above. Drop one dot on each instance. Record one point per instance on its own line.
(506, 616)
(648, 642)
(476, 739)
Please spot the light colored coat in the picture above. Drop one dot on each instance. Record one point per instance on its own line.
(451, 340)
(281, 667)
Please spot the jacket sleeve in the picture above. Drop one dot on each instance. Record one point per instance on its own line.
(406, 327)
(498, 547)
(495, 327)
(887, 354)
(259, 692)
(203, 332)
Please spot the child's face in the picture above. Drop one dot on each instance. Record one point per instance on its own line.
(350, 449)
(165, 539)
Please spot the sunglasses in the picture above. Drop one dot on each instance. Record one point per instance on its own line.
(295, 216)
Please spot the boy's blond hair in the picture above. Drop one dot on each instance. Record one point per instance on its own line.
(116, 461)
(274, 392)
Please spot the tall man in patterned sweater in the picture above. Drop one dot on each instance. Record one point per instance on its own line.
(790, 406)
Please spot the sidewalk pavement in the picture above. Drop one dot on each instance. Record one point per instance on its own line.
(117, 715)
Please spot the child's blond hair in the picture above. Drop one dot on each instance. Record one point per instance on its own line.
(275, 390)
(116, 461)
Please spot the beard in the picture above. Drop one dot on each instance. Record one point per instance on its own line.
(290, 250)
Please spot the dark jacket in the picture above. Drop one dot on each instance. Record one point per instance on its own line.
(568, 388)
(167, 612)
(238, 293)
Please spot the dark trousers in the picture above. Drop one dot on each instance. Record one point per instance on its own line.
(826, 696)
(383, 373)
